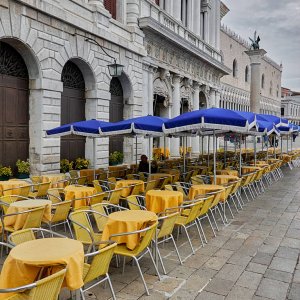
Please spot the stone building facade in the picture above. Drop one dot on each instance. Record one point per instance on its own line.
(174, 61)
(290, 105)
(235, 87)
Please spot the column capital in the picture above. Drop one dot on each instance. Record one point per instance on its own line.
(256, 55)
(176, 78)
(196, 85)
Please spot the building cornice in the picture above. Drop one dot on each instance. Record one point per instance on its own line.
(148, 23)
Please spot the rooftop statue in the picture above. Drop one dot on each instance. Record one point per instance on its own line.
(255, 42)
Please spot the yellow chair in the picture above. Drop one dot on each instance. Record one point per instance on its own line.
(168, 187)
(41, 192)
(182, 190)
(164, 233)
(134, 203)
(33, 220)
(98, 267)
(197, 180)
(114, 196)
(150, 185)
(59, 216)
(136, 188)
(44, 289)
(36, 179)
(83, 229)
(98, 198)
(81, 180)
(146, 236)
(5, 201)
(187, 218)
(55, 195)
(111, 181)
(29, 234)
(99, 187)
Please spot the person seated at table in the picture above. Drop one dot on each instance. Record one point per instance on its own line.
(144, 165)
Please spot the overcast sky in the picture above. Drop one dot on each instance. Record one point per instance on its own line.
(278, 25)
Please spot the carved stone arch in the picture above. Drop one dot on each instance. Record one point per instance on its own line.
(128, 95)
(162, 87)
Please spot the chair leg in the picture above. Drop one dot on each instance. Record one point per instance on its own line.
(189, 240)
(210, 223)
(160, 259)
(142, 276)
(203, 233)
(214, 219)
(176, 249)
(82, 294)
(111, 287)
(230, 209)
(155, 266)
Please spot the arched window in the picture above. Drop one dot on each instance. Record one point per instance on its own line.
(271, 88)
(246, 74)
(111, 6)
(263, 81)
(234, 68)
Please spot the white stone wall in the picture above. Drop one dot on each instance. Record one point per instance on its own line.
(235, 90)
(291, 106)
(47, 40)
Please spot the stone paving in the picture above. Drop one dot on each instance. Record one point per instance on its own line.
(254, 257)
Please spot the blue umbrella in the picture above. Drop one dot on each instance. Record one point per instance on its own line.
(267, 128)
(88, 128)
(147, 125)
(277, 121)
(211, 118)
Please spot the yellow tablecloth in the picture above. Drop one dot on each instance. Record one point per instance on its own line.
(202, 189)
(11, 184)
(174, 172)
(117, 171)
(18, 221)
(53, 178)
(223, 179)
(127, 191)
(89, 173)
(156, 176)
(76, 192)
(249, 169)
(125, 221)
(228, 172)
(158, 201)
(286, 157)
(25, 261)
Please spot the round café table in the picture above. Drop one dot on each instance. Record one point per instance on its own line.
(25, 262)
(127, 185)
(17, 221)
(11, 184)
(202, 189)
(158, 201)
(249, 169)
(223, 179)
(228, 172)
(78, 192)
(126, 221)
(54, 178)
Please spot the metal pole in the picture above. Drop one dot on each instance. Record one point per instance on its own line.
(245, 148)
(214, 149)
(202, 147)
(150, 155)
(94, 156)
(274, 146)
(240, 155)
(225, 152)
(291, 142)
(184, 152)
(255, 150)
(268, 150)
(165, 148)
(208, 151)
(287, 144)
(136, 154)
(281, 145)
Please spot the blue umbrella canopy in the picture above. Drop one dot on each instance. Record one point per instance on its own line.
(147, 125)
(85, 128)
(277, 121)
(267, 128)
(288, 129)
(211, 118)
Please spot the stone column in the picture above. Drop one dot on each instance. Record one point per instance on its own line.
(206, 26)
(132, 12)
(255, 62)
(168, 6)
(189, 8)
(97, 2)
(196, 17)
(151, 72)
(177, 9)
(175, 142)
(195, 140)
(218, 25)
(212, 97)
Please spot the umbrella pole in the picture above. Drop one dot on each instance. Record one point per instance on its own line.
(255, 150)
(287, 144)
(215, 162)
(165, 148)
(291, 142)
(225, 152)
(202, 150)
(150, 155)
(268, 150)
(240, 155)
(136, 151)
(245, 148)
(208, 151)
(274, 146)
(94, 156)
(184, 154)
(281, 145)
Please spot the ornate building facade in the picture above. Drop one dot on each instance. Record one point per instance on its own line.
(290, 105)
(53, 71)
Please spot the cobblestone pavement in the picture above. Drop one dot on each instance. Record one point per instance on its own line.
(254, 257)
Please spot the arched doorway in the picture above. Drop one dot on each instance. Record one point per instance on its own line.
(72, 110)
(116, 107)
(14, 106)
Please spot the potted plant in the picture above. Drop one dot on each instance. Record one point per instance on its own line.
(5, 173)
(116, 158)
(81, 163)
(66, 165)
(23, 168)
